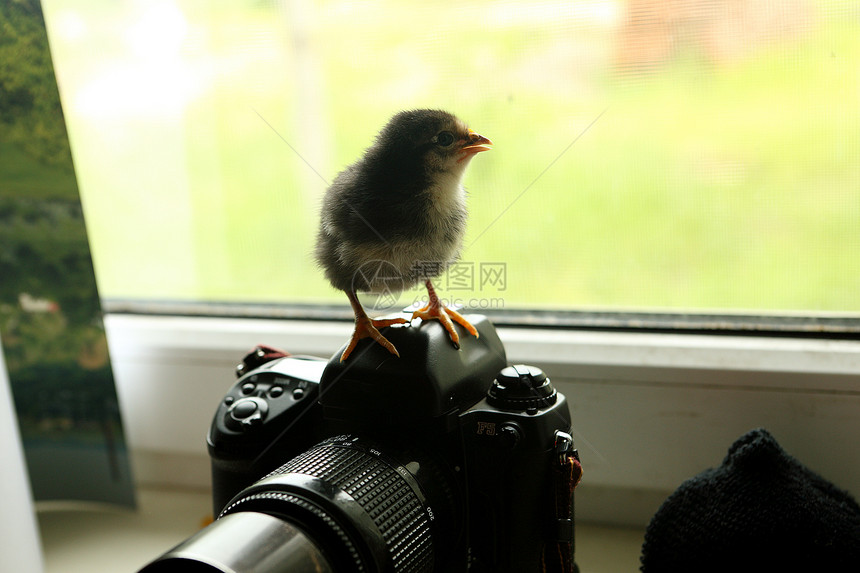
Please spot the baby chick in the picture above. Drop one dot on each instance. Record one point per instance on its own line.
(397, 216)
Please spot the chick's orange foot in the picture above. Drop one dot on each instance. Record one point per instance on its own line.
(435, 310)
(366, 327)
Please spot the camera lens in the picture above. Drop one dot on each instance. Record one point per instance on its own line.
(343, 505)
(247, 542)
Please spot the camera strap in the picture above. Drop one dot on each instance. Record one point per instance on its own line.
(261, 354)
(557, 556)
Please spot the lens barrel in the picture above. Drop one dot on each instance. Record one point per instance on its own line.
(342, 505)
(246, 542)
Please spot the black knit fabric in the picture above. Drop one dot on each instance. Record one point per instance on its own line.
(761, 510)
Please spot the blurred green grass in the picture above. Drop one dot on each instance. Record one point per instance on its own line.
(732, 187)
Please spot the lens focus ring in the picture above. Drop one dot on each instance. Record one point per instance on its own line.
(391, 512)
(331, 530)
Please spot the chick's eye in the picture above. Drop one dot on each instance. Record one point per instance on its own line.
(444, 139)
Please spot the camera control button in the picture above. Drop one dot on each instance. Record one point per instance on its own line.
(246, 413)
(276, 391)
(244, 409)
(248, 388)
(521, 387)
(298, 393)
(509, 436)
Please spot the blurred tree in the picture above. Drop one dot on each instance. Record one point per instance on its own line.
(50, 315)
(30, 112)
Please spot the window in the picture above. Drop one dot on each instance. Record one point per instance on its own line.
(653, 156)
(651, 159)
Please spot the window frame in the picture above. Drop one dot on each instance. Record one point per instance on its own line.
(844, 326)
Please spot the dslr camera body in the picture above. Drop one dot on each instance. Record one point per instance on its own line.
(440, 460)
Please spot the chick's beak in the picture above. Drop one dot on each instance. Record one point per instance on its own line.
(476, 143)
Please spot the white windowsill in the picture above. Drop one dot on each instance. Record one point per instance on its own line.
(649, 410)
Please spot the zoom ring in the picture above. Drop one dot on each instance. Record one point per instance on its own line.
(381, 490)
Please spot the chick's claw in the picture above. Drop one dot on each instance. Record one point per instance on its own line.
(460, 319)
(445, 315)
(369, 328)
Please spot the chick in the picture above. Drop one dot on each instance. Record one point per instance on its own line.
(397, 216)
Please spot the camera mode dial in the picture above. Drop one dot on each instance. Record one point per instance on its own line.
(522, 387)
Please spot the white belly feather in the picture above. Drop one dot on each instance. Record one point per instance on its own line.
(405, 262)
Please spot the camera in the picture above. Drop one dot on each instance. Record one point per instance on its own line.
(439, 460)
